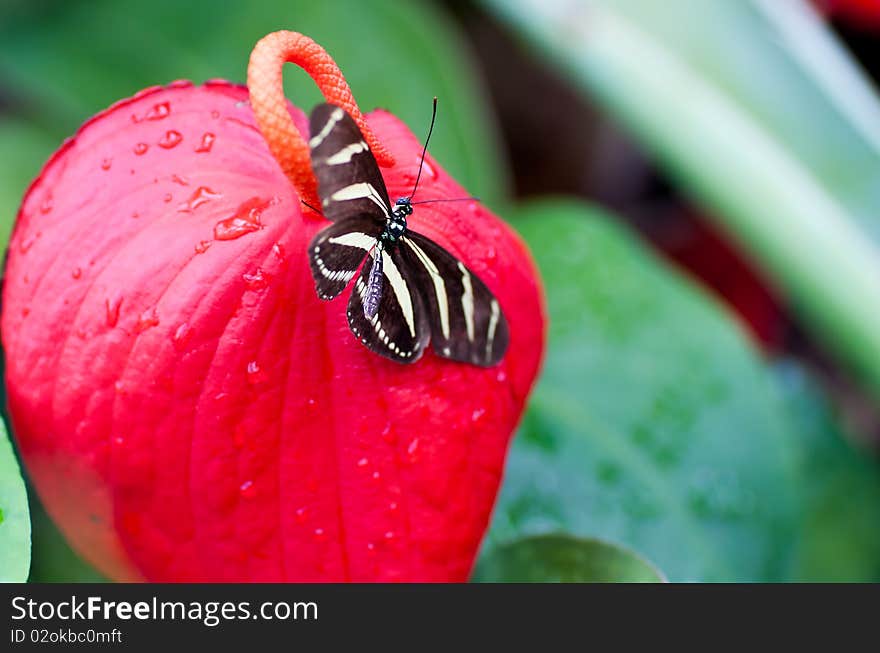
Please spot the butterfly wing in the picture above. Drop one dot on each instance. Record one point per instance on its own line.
(466, 321)
(400, 329)
(349, 181)
(336, 253)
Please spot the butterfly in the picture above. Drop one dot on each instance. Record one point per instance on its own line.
(408, 290)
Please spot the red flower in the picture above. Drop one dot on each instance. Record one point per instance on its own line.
(185, 404)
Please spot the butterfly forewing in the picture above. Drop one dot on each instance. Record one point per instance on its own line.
(336, 253)
(349, 181)
(467, 323)
(400, 329)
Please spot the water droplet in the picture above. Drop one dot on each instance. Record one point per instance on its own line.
(278, 251)
(311, 402)
(376, 476)
(371, 548)
(245, 220)
(502, 376)
(147, 320)
(477, 415)
(140, 149)
(181, 336)
(118, 440)
(202, 246)
(388, 434)
(156, 112)
(76, 273)
(171, 139)
(201, 195)
(256, 281)
(363, 462)
(215, 114)
(119, 386)
(320, 535)
(392, 506)
(206, 143)
(25, 245)
(247, 490)
(255, 374)
(302, 514)
(47, 204)
(389, 535)
(412, 448)
(177, 179)
(167, 197)
(491, 255)
(111, 307)
(106, 164)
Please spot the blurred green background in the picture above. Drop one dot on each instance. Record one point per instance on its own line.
(697, 181)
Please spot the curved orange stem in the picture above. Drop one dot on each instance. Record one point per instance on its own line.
(265, 85)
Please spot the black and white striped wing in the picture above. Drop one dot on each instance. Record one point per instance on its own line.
(349, 181)
(467, 323)
(336, 253)
(400, 330)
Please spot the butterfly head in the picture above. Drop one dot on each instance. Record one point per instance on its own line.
(403, 206)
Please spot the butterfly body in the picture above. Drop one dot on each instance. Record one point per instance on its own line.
(407, 289)
(396, 225)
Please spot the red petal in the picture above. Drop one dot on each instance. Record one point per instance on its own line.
(188, 408)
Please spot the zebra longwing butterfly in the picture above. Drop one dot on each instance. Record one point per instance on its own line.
(408, 290)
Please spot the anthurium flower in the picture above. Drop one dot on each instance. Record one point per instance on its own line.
(187, 407)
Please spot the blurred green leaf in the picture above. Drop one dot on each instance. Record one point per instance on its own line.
(563, 559)
(30, 147)
(779, 63)
(15, 524)
(65, 62)
(53, 559)
(753, 107)
(655, 424)
(840, 539)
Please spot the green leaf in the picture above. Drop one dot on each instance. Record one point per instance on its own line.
(15, 524)
(752, 106)
(66, 64)
(840, 538)
(563, 559)
(31, 147)
(655, 423)
(53, 559)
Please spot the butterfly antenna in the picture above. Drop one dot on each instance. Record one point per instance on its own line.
(311, 207)
(425, 149)
(451, 199)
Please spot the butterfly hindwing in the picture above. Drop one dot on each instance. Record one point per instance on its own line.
(400, 330)
(336, 253)
(466, 321)
(349, 181)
